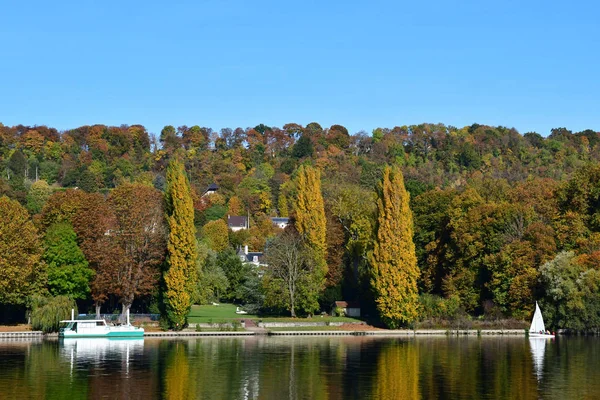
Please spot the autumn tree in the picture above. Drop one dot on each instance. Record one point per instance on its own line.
(68, 271)
(93, 221)
(216, 235)
(38, 194)
(140, 234)
(62, 206)
(180, 276)
(21, 271)
(393, 261)
(310, 220)
(235, 206)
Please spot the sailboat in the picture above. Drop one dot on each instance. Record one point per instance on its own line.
(538, 329)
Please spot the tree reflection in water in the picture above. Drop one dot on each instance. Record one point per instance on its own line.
(300, 367)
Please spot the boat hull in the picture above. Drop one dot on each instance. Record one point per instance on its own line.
(540, 336)
(123, 334)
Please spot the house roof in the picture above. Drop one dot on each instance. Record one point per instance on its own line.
(250, 256)
(347, 304)
(237, 221)
(212, 187)
(280, 220)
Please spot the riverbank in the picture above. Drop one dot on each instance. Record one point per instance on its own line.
(299, 332)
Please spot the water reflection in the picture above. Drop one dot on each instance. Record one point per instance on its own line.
(296, 368)
(100, 350)
(538, 348)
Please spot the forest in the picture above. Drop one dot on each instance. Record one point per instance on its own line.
(415, 223)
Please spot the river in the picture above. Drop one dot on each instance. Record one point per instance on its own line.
(302, 368)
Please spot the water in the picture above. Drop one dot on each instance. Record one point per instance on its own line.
(302, 368)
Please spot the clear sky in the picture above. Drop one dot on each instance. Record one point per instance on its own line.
(532, 65)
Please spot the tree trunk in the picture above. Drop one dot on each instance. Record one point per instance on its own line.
(98, 305)
(292, 308)
(126, 308)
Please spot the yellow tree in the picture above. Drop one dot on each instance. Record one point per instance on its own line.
(216, 235)
(310, 211)
(310, 220)
(394, 271)
(180, 277)
(235, 206)
(21, 271)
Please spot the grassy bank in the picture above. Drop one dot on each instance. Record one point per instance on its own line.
(226, 313)
(216, 314)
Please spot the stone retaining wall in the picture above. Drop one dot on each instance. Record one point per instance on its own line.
(24, 334)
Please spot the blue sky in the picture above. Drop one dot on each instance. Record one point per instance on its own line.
(232, 63)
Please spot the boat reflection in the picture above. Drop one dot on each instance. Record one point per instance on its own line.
(538, 349)
(100, 350)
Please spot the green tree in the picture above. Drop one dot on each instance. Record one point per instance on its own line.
(180, 277)
(289, 277)
(38, 194)
(572, 292)
(68, 271)
(212, 281)
(21, 271)
(47, 312)
(17, 164)
(393, 261)
(303, 147)
(236, 271)
(87, 181)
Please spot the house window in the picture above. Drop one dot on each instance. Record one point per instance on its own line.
(255, 259)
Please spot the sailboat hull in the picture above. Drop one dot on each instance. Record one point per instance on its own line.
(540, 335)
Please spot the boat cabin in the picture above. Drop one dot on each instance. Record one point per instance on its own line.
(84, 326)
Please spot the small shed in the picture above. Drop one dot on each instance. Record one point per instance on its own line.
(346, 308)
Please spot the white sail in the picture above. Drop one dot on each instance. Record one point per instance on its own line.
(537, 325)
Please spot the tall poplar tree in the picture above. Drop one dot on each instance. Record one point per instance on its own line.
(21, 271)
(310, 220)
(394, 271)
(180, 276)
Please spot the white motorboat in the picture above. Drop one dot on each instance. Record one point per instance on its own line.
(88, 328)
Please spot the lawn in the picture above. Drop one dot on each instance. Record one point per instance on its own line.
(215, 314)
(226, 312)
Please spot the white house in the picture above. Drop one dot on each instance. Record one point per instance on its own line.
(212, 188)
(255, 257)
(280, 222)
(236, 223)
